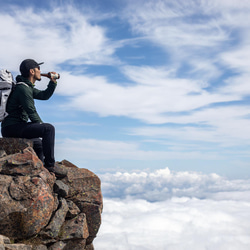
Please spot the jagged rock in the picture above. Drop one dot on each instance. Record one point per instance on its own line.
(75, 228)
(75, 245)
(58, 246)
(14, 145)
(93, 214)
(53, 229)
(28, 199)
(73, 210)
(18, 247)
(40, 247)
(24, 163)
(4, 240)
(2, 153)
(89, 247)
(40, 211)
(61, 188)
(11, 210)
(83, 184)
(57, 202)
(85, 192)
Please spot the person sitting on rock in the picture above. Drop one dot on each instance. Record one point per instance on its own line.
(23, 120)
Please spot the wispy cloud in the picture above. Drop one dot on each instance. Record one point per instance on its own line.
(92, 149)
(157, 98)
(219, 125)
(57, 35)
(153, 94)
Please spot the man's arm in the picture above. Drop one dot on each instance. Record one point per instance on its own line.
(44, 94)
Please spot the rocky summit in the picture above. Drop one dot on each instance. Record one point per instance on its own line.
(41, 212)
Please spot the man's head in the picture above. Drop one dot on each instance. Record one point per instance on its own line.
(27, 65)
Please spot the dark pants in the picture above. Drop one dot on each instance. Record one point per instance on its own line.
(35, 131)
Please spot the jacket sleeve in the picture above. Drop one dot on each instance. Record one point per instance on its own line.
(44, 94)
(27, 102)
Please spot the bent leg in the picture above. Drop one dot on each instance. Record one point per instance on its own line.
(38, 148)
(15, 131)
(47, 132)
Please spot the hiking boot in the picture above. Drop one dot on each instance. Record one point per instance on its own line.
(58, 170)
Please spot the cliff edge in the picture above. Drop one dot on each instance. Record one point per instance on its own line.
(39, 211)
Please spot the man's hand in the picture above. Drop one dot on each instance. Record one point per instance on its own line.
(53, 76)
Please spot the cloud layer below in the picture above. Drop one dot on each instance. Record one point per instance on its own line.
(175, 211)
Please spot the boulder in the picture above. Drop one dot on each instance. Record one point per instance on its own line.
(4, 240)
(83, 184)
(41, 212)
(73, 210)
(18, 247)
(85, 192)
(93, 214)
(76, 245)
(40, 247)
(14, 145)
(53, 228)
(59, 245)
(61, 188)
(27, 199)
(75, 228)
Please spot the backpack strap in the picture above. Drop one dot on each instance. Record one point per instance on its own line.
(23, 83)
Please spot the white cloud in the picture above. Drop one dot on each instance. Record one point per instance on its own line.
(238, 59)
(191, 211)
(228, 126)
(93, 149)
(57, 35)
(237, 85)
(177, 24)
(164, 184)
(201, 88)
(157, 98)
(177, 224)
(205, 35)
(176, 27)
(155, 92)
(152, 95)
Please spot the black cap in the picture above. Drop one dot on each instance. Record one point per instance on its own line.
(28, 64)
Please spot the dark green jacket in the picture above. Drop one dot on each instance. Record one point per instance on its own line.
(21, 106)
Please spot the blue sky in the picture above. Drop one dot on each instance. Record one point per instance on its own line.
(153, 98)
(144, 84)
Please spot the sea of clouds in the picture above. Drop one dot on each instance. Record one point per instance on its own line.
(168, 210)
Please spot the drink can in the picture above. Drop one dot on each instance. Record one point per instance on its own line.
(54, 76)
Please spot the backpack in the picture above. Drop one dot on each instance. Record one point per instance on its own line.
(6, 85)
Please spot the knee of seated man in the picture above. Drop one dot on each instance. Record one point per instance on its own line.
(49, 127)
